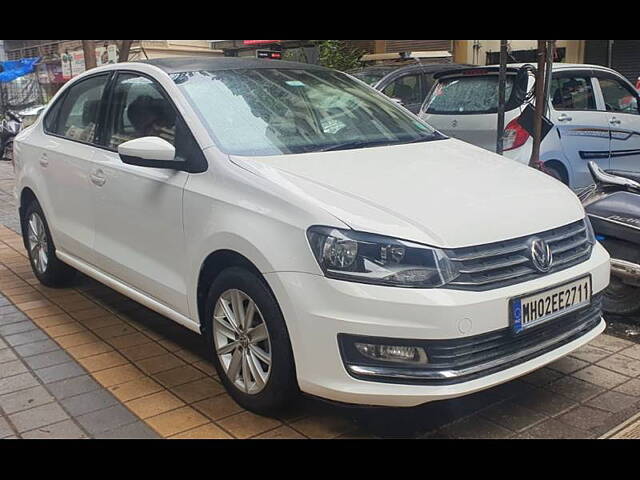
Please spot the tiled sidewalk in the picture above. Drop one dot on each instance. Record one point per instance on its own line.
(88, 362)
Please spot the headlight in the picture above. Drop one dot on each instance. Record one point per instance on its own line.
(367, 258)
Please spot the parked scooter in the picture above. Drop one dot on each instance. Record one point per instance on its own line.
(9, 128)
(613, 205)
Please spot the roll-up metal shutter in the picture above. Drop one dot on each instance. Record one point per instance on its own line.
(418, 45)
(625, 56)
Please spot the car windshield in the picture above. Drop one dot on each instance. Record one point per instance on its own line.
(271, 111)
(473, 94)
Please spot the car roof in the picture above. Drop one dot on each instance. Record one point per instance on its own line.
(425, 67)
(197, 64)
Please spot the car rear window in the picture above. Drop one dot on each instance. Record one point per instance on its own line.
(468, 95)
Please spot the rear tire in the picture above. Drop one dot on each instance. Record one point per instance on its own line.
(620, 298)
(46, 266)
(253, 357)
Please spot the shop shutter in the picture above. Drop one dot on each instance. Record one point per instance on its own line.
(625, 56)
(419, 45)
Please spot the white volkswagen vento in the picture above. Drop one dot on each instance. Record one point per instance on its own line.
(319, 236)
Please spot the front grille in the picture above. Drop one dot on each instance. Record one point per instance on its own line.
(460, 360)
(506, 263)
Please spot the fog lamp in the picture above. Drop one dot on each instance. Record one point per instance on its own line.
(393, 353)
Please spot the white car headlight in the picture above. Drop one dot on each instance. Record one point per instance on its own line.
(368, 258)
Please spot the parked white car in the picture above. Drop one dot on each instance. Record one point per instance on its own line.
(319, 236)
(595, 112)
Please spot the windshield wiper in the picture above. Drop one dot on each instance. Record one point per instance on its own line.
(363, 144)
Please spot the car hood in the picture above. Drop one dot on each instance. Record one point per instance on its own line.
(444, 193)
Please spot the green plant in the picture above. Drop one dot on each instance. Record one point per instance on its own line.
(339, 55)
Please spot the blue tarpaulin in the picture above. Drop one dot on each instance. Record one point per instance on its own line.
(16, 68)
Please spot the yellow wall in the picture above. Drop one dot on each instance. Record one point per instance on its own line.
(464, 51)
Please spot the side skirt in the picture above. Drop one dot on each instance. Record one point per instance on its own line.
(128, 291)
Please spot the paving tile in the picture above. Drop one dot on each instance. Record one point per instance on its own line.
(37, 348)
(17, 382)
(154, 404)
(323, 426)
(92, 312)
(188, 356)
(218, 407)
(64, 329)
(512, 416)
(585, 418)
(106, 419)
(53, 320)
(621, 364)
(89, 350)
(590, 353)
(613, 401)
(5, 429)
(116, 375)
(136, 430)
(130, 340)
(38, 417)
(137, 388)
(207, 368)
(47, 359)
(76, 339)
(178, 376)
(177, 421)
(18, 327)
(632, 387)
(142, 352)
(545, 401)
(159, 363)
(25, 338)
(73, 386)
(473, 427)
(633, 352)
(247, 424)
(7, 355)
(113, 331)
(59, 372)
(198, 390)
(25, 399)
(600, 376)
(9, 369)
(283, 432)
(103, 321)
(612, 344)
(102, 361)
(207, 431)
(568, 365)
(88, 402)
(554, 429)
(44, 312)
(62, 430)
(11, 318)
(575, 389)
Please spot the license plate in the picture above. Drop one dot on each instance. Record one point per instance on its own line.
(546, 305)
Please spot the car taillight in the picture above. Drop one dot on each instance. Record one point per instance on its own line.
(514, 135)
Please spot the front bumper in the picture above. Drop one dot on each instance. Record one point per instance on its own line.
(318, 309)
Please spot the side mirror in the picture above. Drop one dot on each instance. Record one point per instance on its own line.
(154, 152)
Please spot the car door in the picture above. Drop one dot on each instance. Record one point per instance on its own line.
(408, 89)
(576, 111)
(66, 162)
(623, 115)
(139, 233)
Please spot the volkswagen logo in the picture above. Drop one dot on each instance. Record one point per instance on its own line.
(541, 255)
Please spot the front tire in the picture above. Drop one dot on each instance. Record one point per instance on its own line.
(46, 266)
(249, 343)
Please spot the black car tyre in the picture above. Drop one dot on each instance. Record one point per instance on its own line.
(46, 266)
(619, 297)
(249, 343)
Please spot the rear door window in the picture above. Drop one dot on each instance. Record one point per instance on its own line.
(572, 93)
(407, 88)
(468, 95)
(618, 97)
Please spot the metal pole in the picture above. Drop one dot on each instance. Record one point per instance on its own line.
(537, 119)
(551, 45)
(502, 84)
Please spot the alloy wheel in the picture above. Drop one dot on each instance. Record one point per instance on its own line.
(241, 341)
(38, 245)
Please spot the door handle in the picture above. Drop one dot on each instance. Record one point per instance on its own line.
(564, 118)
(44, 161)
(615, 121)
(98, 178)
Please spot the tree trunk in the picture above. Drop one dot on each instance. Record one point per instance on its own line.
(125, 46)
(89, 47)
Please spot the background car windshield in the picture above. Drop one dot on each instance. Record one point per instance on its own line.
(477, 94)
(369, 77)
(282, 111)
